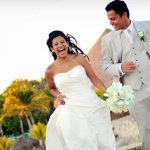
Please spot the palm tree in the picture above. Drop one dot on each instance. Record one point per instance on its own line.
(17, 98)
(43, 97)
(11, 107)
(23, 97)
(38, 132)
(5, 143)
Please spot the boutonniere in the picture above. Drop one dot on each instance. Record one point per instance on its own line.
(141, 35)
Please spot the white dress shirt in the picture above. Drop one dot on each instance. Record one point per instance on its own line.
(130, 32)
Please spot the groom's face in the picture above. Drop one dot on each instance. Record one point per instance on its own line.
(117, 21)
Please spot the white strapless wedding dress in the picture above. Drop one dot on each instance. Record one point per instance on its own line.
(83, 123)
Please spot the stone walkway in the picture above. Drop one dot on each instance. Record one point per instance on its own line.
(126, 133)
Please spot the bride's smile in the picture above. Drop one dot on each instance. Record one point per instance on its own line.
(60, 46)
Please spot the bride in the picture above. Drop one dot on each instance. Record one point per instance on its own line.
(83, 121)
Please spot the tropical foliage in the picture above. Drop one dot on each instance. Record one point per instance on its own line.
(26, 100)
(100, 94)
(5, 143)
(38, 131)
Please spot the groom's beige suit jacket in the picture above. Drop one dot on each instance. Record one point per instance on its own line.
(117, 49)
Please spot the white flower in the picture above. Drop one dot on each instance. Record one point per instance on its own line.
(141, 35)
(119, 98)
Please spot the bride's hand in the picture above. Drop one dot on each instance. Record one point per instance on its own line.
(60, 98)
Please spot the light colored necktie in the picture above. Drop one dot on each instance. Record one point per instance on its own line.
(130, 36)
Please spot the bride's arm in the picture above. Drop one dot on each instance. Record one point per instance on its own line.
(90, 73)
(50, 83)
(52, 87)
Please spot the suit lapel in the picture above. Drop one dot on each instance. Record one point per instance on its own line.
(126, 48)
(117, 45)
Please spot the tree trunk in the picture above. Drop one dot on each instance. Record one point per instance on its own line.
(1, 130)
(28, 121)
(21, 125)
(42, 144)
(32, 119)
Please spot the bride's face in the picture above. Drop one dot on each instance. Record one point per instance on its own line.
(60, 46)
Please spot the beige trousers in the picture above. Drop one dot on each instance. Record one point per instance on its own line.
(141, 113)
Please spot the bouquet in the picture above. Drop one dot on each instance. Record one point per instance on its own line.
(119, 97)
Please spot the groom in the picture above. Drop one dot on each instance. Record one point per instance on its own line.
(126, 56)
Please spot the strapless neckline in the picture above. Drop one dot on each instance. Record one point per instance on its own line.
(68, 70)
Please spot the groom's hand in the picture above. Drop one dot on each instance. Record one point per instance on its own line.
(128, 67)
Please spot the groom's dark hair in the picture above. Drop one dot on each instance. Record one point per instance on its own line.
(119, 7)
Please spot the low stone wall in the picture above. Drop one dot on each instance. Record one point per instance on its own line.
(126, 133)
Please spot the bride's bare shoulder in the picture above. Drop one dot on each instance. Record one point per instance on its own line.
(79, 57)
(50, 70)
(82, 59)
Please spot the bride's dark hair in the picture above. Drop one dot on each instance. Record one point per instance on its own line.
(72, 42)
